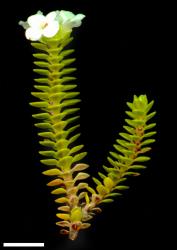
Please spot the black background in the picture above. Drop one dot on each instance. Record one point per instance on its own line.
(121, 50)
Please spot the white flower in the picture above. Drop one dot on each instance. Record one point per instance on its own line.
(69, 20)
(39, 25)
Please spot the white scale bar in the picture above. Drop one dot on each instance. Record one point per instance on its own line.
(23, 244)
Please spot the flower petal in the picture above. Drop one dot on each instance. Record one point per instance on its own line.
(25, 25)
(51, 16)
(33, 34)
(76, 21)
(66, 16)
(36, 20)
(51, 29)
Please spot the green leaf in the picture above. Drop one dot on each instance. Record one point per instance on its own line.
(76, 214)
(59, 191)
(64, 209)
(152, 125)
(42, 80)
(123, 150)
(67, 79)
(81, 176)
(43, 125)
(67, 71)
(67, 62)
(125, 144)
(45, 116)
(47, 143)
(39, 46)
(62, 152)
(76, 149)
(41, 71)
(134, 123)
(41, 56)
(49, 162)
(122, 180)
(149, 134)
(66, 52)
(96, 181)
(79, 167)
(53, 52)
(142, 159)
(91, 190)
(130, 105)
(129, 129)
(149, 106)
(144, 150)
(55, 182)
(114, 176)
(113, 163)
(55, 66)
(71, 95)
(66, 103)
(62, 200)
(116, 156)
(108, 182)
(72, 119)
(60, 125)
(57, 97)
(113, 195)
(121, 188)
(74, 138)
(102, 175)
(42, 88)
(108, 170)
(65, 162)
(129, 137)
(68, 86)
(48, 153)
(39, 104)
(82, 185)
(42, 96)
(137, 167)
(79, 157)
(126, 160)
(60, 144)
(146, 142)
(70, 130)
(46, 135)
(52, 172)
(107, 201)
(66, 41)
(41, 64)
(70, 111)
(131, 173)
(102, 190)
(138, 113)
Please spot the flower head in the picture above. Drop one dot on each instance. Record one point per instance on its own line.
(39, 25)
